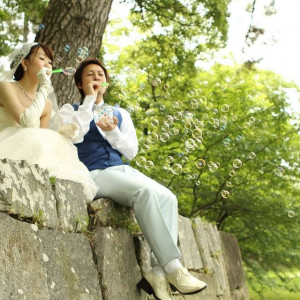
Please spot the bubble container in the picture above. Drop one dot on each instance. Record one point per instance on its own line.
(104, 111)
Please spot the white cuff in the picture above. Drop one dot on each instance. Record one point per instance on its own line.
(88, 102)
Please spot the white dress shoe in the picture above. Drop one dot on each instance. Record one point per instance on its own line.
(185, 283)
(155, 285)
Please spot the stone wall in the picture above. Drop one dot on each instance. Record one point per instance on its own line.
(55, 246)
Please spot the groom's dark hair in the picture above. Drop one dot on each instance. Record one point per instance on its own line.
(79, 70)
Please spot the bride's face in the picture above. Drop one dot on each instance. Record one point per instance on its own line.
(38, 60)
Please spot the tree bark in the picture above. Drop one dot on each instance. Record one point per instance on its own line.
(77, 23)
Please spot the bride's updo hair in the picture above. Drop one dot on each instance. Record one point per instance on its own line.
(80, 68)
(48, 51)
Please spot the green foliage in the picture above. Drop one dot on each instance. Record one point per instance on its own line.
(221, 115)
(52, 180)
(17, 17)
(39, 219)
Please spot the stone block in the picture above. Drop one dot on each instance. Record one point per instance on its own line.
(71, 205)
(116, 262)
(26, 191)
(233, 261)
(190, 255)
(69, 266)
(105, 212)
(22, 274)
(209, 244)
(142, 251)
(203, 242)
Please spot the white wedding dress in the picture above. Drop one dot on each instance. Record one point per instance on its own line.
(45, 147)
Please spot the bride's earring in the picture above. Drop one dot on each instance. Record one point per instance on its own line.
(25, 69)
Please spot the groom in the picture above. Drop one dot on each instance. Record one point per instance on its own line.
(101, 146)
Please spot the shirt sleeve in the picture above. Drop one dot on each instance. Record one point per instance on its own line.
(82, 117)
(124, 139)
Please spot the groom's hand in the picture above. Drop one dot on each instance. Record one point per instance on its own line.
(105, 125)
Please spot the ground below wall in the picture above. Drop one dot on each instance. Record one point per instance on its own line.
(53, 245)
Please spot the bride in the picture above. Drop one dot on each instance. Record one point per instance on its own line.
(25, 113)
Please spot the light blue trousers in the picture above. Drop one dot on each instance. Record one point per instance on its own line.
(154, 205)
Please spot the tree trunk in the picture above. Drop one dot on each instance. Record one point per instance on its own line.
(77, 23)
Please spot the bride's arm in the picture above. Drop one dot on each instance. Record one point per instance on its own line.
(30, 116)
(9, 99)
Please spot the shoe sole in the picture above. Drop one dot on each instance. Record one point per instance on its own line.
(174, 289)
(143, 284)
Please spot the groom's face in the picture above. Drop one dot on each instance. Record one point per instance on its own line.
(92, 76)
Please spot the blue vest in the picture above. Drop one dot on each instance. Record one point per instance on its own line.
(95, 152)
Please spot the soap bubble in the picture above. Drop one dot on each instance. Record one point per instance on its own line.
(258, 141)
(176, 169)
(69, 71)
(166, 86)
(279, 171)
(252, 155)
(239, 137)
(154, 122)
(83, 51)
(165, 127)
(140, 161)
(156, 82)
(225, 108)
(67, 48)
(164, 137)
(194, 102)
(178, 115)
(148, 164)
(226, 142)
(190, 143)
(191, 94)
(169, 159)
(231, 173)
(228, 183)
(237, 163)
(198, 182)
(152, 137)
(252, 120)
(130, 109)
(223, 127)
(233, 118)
(209, 105)
(79, 59)
(213, 168)
(41, 27)
(200, 163)
(162, 107)
(174, 131)
(291, 214)
(223, 119)
(247, 125)
(196, 133)
(58, 59)
(169, 119)
(225, 194)
(167, 95)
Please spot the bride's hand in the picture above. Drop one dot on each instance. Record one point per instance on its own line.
(44, 76)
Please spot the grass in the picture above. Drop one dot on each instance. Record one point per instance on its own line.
(279, 293)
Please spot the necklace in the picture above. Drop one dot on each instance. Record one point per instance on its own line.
(24, 91)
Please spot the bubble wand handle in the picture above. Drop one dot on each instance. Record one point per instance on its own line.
(57, 71)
